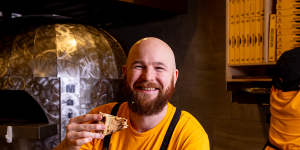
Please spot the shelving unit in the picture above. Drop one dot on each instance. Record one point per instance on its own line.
(250, 72)
(241, 79)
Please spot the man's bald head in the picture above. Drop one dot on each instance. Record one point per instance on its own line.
(150, 75)
(152, 45)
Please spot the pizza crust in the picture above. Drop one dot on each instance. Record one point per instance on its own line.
(112, 123)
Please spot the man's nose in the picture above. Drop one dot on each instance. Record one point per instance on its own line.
(148, 74)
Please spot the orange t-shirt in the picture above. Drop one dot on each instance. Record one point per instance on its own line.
(284, 131)
(188, 133)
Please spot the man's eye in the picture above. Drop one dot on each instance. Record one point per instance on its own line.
(138, 67)
(159, 68)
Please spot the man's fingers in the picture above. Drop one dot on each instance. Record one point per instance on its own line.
(86, 118)
(79, 127)
(79, 135)
(85, 127)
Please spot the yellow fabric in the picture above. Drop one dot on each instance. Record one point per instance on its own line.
(188, 134)
(284, 130)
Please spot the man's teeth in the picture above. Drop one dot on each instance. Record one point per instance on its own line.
(148, 89)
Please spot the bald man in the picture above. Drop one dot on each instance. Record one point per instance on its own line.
(153, 122)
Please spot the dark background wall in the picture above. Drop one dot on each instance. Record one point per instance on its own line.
(198, 40)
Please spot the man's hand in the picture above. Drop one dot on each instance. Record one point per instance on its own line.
(80, 131)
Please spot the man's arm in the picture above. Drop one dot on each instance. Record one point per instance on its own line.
(194, 137)
(197, 141)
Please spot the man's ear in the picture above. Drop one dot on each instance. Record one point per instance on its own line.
(175, 76)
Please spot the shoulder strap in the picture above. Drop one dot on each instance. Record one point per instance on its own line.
(114, 112)
(170, 130)
(115, 109)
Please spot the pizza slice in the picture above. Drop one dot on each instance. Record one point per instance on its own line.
(113, 123)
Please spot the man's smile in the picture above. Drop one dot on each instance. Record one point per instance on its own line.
(146, 89)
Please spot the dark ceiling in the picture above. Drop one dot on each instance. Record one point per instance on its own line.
(100, 13)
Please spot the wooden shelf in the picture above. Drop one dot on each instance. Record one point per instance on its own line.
(251, 80)
(263, 64)
(250, 91)
(250, 73)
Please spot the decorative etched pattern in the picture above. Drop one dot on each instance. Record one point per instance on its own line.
(66, 68)
(46, 92)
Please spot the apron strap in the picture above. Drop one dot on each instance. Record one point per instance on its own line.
(107, 138)
(170, 130)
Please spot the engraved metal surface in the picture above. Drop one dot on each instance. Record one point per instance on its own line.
(66, 68)
(46, 92)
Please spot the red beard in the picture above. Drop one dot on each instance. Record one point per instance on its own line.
(139, 104)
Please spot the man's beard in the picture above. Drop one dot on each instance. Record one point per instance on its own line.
(138, 102)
